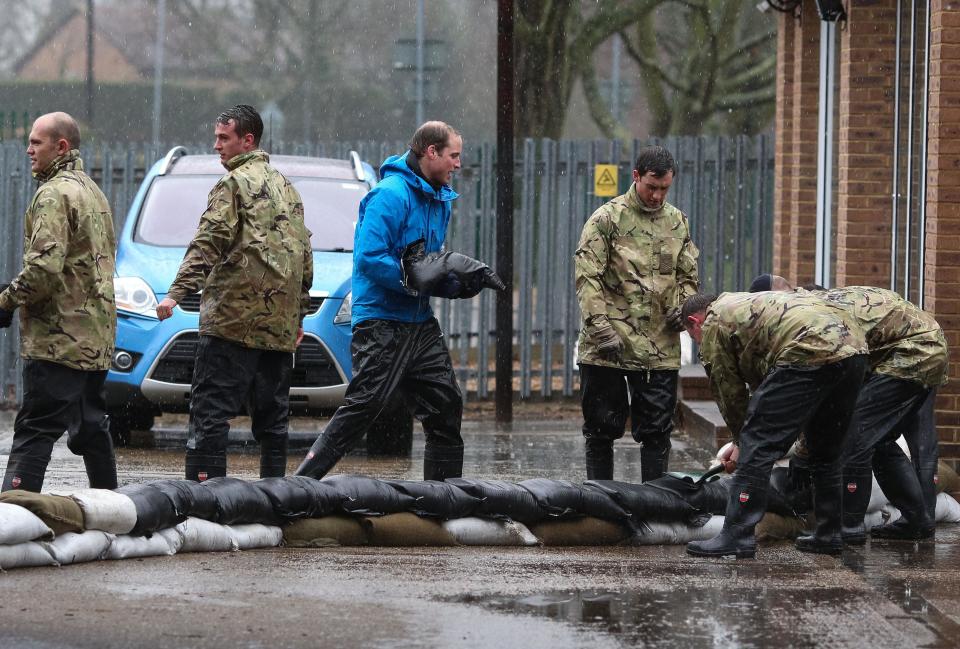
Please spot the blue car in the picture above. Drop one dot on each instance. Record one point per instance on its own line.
(153, 363)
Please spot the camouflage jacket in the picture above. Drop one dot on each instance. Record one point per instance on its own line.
(746, 335)
(65, 290)
(252, 258)
(632, 267)
(905, 341)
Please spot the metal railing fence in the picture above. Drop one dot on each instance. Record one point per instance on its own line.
(724, 185)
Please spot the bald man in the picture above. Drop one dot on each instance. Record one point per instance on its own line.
(67, 313)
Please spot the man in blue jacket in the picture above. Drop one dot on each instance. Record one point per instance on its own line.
(397, 343)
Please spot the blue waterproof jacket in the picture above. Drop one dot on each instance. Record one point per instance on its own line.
(400, 209)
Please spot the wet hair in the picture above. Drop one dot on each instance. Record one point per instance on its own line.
(657, 160)
(695, 304)
(434, 133)
(246, 120)
(762, 283)
(63, 126)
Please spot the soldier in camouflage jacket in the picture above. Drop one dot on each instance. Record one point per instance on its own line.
(253, 260)
(635, 265)
(804, 360)
(908, 362)
(67, 312)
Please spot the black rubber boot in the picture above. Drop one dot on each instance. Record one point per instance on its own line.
(599, 456)
(24, 473)
(442, 462)
(273, 457)
(653, 463)
(200, 467)
(898, 479)
(745, 507)
(928, 490)
(101, 470)
(319, 460)
(828, 510)
(857, 486)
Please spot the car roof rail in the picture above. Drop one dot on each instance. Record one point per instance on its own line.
(357, 166)
(170, 158)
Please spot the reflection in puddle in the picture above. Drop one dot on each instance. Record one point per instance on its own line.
(733, 617)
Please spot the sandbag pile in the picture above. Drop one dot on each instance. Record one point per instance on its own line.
(165, 517)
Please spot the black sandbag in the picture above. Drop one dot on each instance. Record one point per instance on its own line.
(423, 271)
(188, 498)
(712, 496)
(368, 496)
(294, 497)
(564, 499)
(501, 499)
(437, 499)
(650, 504)
(155, 510)
(785, 497)
(238, 501)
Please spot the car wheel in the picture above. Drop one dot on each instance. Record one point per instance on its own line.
(391, 433)
(124, 422)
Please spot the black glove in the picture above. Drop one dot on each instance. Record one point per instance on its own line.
(445, 274)
(6, 318)
(675, 319)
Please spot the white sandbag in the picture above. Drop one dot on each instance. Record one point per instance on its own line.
(125, 546)
(173, 536)
(19, 525)
(948, 509)
(255, 535)
(104, 510)
(676, 533)
(203, 536)
(482, 531)
(872, 519)
(877, 498)
(71, 547)
(25, 555)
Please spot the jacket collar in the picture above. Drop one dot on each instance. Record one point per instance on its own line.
(237, 160)
(69, 160)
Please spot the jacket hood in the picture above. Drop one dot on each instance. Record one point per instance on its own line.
(397, 166)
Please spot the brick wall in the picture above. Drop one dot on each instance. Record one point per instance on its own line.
(783, 153)
(865, 143)
(942, 260)
(803, 179)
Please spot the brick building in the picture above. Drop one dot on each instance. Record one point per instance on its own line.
(868, 158)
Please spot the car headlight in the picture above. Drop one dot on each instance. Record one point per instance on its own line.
(344, 312)
(135, 295)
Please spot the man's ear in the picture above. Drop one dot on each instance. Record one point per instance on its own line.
(62, 146)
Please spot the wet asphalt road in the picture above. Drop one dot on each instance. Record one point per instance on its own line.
(882, 595)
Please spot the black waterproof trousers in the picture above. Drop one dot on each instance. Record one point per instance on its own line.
(391, 357)
(226, 378)
(887, 408)
(818, 400)
(57, 398)
(608, 395)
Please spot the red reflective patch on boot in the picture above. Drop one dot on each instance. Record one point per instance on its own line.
(744, 496)
(936, 478)
(310, 455)
(852, 487)
(201, 476)
(15, 483)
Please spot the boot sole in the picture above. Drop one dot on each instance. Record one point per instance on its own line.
(817, 549)
(739, 554)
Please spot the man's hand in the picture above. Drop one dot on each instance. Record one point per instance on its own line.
(6, 318)
(728, 456)
(165, 308)
(608, 341)
(675, 319)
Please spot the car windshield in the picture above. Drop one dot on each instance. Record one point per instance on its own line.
(174, 204)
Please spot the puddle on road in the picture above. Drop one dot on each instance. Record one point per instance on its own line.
(730, 617)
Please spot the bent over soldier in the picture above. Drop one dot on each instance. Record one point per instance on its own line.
(253, 259)
(635, 265)
(779, 364)
(67, 313)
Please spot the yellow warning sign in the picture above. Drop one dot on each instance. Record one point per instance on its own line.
(605, 180)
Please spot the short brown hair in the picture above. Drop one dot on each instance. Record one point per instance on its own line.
(433, 133)
(63, 126)
(695, 304)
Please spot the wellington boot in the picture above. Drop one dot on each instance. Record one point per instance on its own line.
(319, 460)
(903, 530)
(24, 473)
(732, 541)
(599, 456)
(442, 462)
(273, 457)
(201, 466)
(746, 505)
(653, 463)
(826, 537)
(857, 485)
(898, 479)
(101, 470)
